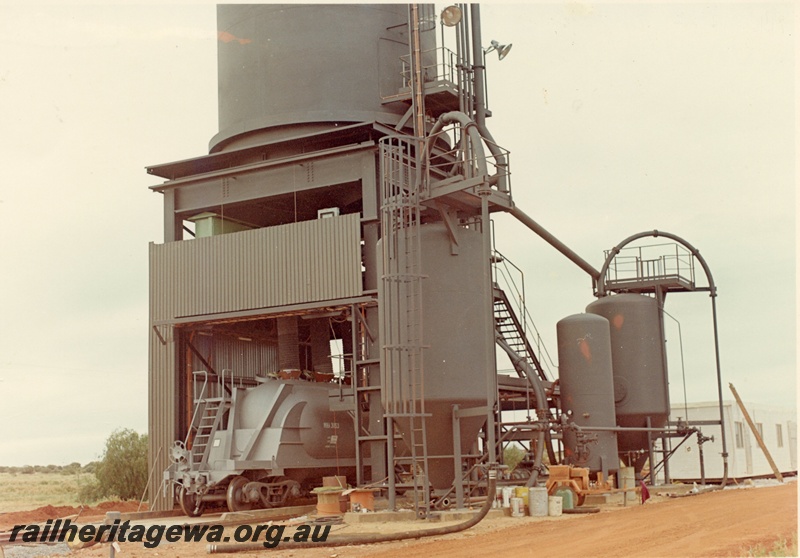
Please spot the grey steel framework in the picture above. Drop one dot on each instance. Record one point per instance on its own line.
(328, 298)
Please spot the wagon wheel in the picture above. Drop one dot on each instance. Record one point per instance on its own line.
(235, 496)
(188, 502)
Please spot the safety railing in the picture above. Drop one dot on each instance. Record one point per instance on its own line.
(511, 279)
(452, 154)
(652, 262)
(438, 64)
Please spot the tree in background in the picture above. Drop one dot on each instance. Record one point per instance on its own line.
(512, 455)
(122, 471)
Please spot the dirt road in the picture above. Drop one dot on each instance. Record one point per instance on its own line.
(717, 524)
(724, 523)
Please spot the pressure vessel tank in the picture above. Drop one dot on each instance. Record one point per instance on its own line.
(638, 357)
(587, 391)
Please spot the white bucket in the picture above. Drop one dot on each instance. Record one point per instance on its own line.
(537, 501)
(554, 506)
(627, 479)
(507, 492)
(517, 507)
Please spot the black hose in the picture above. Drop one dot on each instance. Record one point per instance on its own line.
(377, 538)
(581, 510)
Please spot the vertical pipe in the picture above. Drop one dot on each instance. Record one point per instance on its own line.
(390, 462)
(355, 381)
(488, 325)
(288, 343)
(321, 346)
(702, 459)
(457, 459)
(417, 98)
(478, 66)
(650, 454)
(719, 380)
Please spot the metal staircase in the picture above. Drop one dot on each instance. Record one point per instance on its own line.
(206, 420)
(210, 417)
(510, 328)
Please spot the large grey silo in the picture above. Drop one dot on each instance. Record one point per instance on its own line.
(283, 67)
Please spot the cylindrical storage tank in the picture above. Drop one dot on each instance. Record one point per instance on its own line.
(640, 374)
(587, 389)
(282, 67)
(454, 309)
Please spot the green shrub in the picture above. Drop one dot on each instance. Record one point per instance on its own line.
(512, 455)
(122, 471)
(89, 490)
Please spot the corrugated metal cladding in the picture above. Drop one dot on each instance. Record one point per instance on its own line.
(162, 412)
(273, 266)
(244, 358)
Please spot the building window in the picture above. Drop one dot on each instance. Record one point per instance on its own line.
(779, 434)
(739, 434)
(760, 430)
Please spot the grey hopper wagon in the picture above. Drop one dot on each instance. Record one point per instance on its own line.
(258, 447)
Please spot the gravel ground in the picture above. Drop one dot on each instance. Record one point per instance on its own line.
(35, 551)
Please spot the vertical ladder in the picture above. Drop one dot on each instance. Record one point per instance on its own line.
(402, 345)
(364, 389)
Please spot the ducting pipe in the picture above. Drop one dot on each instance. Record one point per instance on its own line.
(376, 538)
(469, 126)
(524, 366)
(523, 218)
(288, 341)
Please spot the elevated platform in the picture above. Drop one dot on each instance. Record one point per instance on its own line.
(667, 283)
(668, 267)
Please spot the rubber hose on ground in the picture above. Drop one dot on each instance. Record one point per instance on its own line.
(379, 538)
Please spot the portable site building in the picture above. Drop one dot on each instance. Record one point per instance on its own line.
(777, 427)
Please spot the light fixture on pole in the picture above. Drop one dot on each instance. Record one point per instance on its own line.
(502, 50)
(451, 16)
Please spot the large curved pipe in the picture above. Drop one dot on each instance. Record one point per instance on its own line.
(499, 157)
(601, 291)
(524, 366)
(469, 126)
(376, 538)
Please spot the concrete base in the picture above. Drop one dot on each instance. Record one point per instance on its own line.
(408, 515)
(464, 514)
(274, 514)
(603, 499)
(378, 516)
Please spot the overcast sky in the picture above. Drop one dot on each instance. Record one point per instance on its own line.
(620, 118)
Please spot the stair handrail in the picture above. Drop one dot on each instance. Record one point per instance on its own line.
(197, 400)
(521, 309)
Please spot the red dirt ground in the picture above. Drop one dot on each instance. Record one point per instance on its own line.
(8, 520)
(723, 523)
